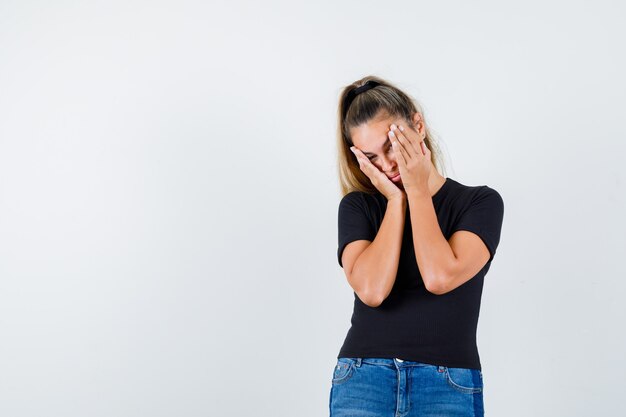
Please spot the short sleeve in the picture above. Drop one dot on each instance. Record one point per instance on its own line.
(484, 217)
(353, 221)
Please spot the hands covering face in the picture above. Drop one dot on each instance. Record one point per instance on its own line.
(413, 157)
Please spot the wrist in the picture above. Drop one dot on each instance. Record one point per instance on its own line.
(399, 198)
(418, 193)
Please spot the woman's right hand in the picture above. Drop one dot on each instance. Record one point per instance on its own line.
(377, 177)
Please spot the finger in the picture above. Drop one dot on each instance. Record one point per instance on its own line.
(399, 147)
(399, 152)
(355, 151)
(409, 141)
(364, 163)
(426, 150)
(360, 156)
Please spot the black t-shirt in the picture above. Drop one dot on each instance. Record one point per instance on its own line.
(413, 323)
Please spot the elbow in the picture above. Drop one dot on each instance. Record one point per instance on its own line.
(368, 292)
(371, 299)
(436, 290)
(436, 286)
(375, 302)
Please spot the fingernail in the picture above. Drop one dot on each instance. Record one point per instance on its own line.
(401, 129)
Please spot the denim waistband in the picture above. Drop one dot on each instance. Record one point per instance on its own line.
(391, 362)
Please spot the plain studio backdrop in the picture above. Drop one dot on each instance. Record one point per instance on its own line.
(169, 195)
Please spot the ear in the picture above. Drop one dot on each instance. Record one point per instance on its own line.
(416, 119)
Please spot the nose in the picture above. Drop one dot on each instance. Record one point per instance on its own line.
(387, 165)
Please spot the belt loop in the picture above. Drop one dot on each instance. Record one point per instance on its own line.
(358, 362)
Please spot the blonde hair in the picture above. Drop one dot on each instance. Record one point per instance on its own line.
(384, 100)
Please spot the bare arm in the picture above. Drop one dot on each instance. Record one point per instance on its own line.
(374, 270)
(444, 264)
(432, 251)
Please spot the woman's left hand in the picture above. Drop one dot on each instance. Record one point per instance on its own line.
(413, 158)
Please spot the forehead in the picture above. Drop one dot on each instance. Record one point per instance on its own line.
(370, 135)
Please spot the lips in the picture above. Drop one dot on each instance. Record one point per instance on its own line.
(395, 178)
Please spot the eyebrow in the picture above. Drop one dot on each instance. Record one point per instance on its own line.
(387, 142)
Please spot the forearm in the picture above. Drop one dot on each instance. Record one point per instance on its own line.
(432, 251)
(377, 266)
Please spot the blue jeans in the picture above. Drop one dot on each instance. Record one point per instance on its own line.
(381, 387)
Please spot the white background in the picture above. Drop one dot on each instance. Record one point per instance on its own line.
(169, 194)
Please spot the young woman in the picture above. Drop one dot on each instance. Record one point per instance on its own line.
(415, 247)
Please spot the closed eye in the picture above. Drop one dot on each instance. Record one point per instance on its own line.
(389, 149)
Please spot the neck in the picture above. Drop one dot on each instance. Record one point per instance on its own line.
(435, 181)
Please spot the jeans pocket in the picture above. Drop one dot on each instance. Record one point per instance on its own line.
(343, 370)
(465, 380)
